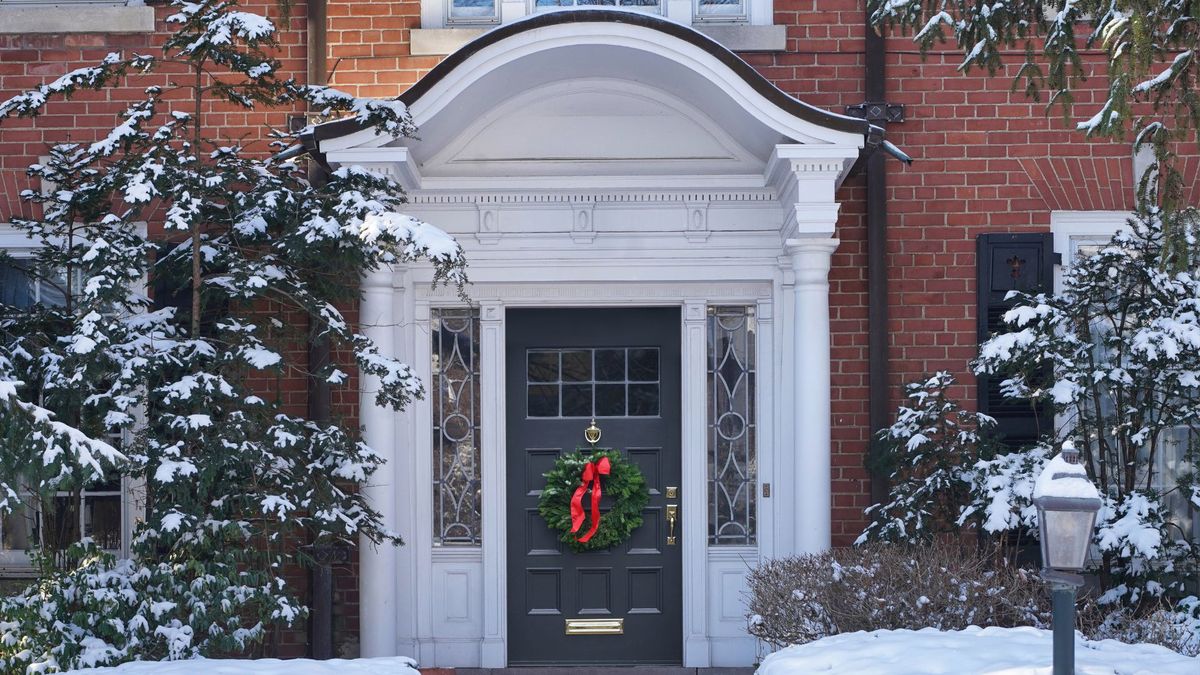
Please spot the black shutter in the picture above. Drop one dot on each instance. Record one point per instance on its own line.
(1007, 262)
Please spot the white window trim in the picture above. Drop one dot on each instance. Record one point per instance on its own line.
(74, 16)
(1071, 228)
(436, 13)
(133, 491)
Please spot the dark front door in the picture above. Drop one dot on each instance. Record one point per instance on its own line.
(564, 367)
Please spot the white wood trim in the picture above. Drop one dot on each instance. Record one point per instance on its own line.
(1066, 226)
(494, 651)
(419, 628)
(694, 495)
(765, 443)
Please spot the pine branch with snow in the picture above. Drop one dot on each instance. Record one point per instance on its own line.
(177, 342)
(1150, 72)
(1116, 354)
(933, 447)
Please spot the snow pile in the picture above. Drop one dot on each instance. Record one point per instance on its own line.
(975, 650)
(1060, 478)
(391, 665)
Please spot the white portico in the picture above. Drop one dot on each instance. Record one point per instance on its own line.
(596, 159)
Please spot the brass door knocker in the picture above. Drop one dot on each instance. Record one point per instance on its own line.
(592, 434)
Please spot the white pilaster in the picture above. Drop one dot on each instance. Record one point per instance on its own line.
(378, 603)
(693, 495)
(810, 263)
(494, 653)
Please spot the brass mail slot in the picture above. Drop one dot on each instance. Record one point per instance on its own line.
(595, 626)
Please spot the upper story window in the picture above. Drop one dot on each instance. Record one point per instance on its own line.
(643, 4)
(473, 11)
(476, 12)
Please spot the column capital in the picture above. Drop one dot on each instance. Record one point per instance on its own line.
(810, 245)
(811, 257)
(384, 276)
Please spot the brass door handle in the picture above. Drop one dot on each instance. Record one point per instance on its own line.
(672, 514)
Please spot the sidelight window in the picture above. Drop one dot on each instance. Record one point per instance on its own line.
(732, 434)
(455, 398)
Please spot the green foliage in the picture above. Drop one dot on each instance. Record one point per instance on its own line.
(624, 489)
(1150, 50)
(933, 447)
(175, 344)
(98, 610)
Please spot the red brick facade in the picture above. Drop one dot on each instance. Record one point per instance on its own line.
(987, 160)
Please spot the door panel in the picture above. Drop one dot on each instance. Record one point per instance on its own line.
(563, 366)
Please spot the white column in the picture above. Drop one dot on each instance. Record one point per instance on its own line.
(693, 503)
(810, 262)
(494, 652)
(377, 564)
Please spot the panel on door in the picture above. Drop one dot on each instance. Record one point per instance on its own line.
(564, 367)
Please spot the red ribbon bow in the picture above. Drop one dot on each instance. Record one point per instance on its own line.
(591, 475)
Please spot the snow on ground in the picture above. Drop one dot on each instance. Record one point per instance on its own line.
(973, 651)
(392, 665)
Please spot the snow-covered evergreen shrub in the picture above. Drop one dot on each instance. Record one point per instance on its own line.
(932, 448)
(886, 586)
(254, 262)
(1116, 352)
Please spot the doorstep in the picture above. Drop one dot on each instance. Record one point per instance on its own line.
(590, 670)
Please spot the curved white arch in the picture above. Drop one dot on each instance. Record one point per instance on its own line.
(662, 60)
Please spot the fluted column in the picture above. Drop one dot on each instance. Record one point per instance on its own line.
(377, 581)
(810, 262)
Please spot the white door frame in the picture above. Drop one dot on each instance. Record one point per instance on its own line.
(693, 300)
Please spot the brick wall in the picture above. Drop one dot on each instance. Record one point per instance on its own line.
(987, 160)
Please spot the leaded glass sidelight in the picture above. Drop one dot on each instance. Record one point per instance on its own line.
(732, 464)
(455, 399)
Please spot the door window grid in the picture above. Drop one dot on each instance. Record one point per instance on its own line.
(732, 432)
(457, 507)
(598, 382)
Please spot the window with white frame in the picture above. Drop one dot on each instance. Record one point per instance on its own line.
(104, 510)
(468, 13)
(1079, 234)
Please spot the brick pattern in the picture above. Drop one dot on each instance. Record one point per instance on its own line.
(988, 160)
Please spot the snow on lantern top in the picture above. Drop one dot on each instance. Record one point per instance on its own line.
(1063, 476)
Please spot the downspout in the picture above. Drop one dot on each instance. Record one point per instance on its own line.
(319, 393)
(877, 110)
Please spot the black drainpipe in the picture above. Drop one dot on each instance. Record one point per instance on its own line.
(879, 112)
(319, 394)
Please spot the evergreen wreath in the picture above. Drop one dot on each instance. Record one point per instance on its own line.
(624, 484)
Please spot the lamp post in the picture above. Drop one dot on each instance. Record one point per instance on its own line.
(1067, 503)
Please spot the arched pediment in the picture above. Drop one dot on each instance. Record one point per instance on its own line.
(599, 126)
(597, 93)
